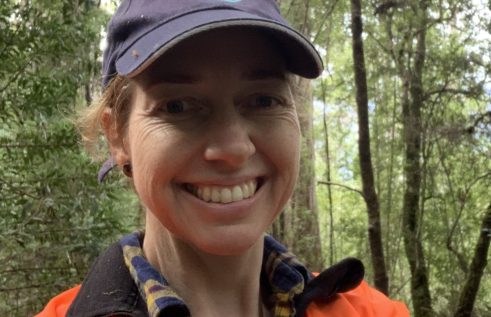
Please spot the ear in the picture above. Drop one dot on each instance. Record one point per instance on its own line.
(116, 138)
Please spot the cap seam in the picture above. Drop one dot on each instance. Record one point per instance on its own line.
(172, 18)
(282, 28)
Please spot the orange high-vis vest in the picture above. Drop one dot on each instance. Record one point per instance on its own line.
(363, 301)
(58, 306)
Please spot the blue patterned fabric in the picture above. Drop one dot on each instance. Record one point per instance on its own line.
(282, 277)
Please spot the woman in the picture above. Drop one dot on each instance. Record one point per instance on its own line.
(199, 111)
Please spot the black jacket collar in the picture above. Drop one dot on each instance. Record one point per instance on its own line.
(108, 289)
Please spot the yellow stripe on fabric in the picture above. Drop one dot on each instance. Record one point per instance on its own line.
(131, 251)
(279, 264)
(153, 310)
(272, 264)
(282, 301)
(153, 296)
(282, 312)
(273, 261)
(283, 305)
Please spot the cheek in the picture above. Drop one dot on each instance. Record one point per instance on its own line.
(289, 138)
(282, 145)
(154, 157)
(285, 156)
(293, 159)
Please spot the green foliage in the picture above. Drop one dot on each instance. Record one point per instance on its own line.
(55, 217)
(456, 151)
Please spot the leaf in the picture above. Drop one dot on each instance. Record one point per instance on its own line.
(48, 202)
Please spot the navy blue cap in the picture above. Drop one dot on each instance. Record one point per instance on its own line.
(142, 30)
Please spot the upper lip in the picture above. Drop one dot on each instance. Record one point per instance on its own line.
(223, 182)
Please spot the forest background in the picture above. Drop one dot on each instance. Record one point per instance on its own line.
(396, 159)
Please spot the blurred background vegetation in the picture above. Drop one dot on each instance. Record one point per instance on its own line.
(428, 101)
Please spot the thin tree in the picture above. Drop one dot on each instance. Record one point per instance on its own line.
(298, 227)
(479, 262)
(381, 280)
(412, 131)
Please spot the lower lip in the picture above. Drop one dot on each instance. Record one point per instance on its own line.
(224, 212)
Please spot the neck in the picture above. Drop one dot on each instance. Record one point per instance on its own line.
(211, 285)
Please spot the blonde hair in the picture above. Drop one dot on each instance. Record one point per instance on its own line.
(117, 97)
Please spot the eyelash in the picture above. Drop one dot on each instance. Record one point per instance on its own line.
(186, 105)
(274, 101)
(252, 102)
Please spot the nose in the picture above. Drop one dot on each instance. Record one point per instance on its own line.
(229, 139)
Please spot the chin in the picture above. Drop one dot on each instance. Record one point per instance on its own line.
(232, 242)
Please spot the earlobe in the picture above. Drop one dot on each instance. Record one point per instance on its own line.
(115, 138)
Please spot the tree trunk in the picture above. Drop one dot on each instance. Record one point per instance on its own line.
(328, 177)
(412, 172)
(390, 184)
(374, 228)
(479, 262)
(88, 95)
(301, 225)
(306, 244)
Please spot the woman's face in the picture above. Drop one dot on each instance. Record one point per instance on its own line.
(212, 123)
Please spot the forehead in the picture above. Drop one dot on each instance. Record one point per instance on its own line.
(244, 52)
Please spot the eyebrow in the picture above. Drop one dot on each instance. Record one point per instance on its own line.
(174, 78)
(264, 74)
(180, 78)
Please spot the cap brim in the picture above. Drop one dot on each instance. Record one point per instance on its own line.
(106, 168)
(301, 56)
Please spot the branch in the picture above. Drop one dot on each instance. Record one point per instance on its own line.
(398, 59)
(479, 262)
(38, 209)
(400, 287)
(35, 145)
(19, 191)
(14, 78)
(27, 269)
(10, 40)
(477, 179)
(462, 198)
(341, 185)
(21, 69)
(324, 20)
(50, 179)
(481, 118)
(460, 258)
(292, 3)
(24, 287)
(385, 49)
(70, 230)
(469, 93)
(383, 8)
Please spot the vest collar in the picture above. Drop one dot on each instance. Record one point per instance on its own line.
(109, 288)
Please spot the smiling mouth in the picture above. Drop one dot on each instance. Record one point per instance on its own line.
(223, 194)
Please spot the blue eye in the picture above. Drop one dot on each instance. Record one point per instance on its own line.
(265, 101)
(175, 106)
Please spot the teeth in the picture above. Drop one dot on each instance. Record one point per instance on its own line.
(223, 195)
(236, 194)
(206, 194)
(252, 187)
(226, 196)
(215, 195)
(245, 191)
